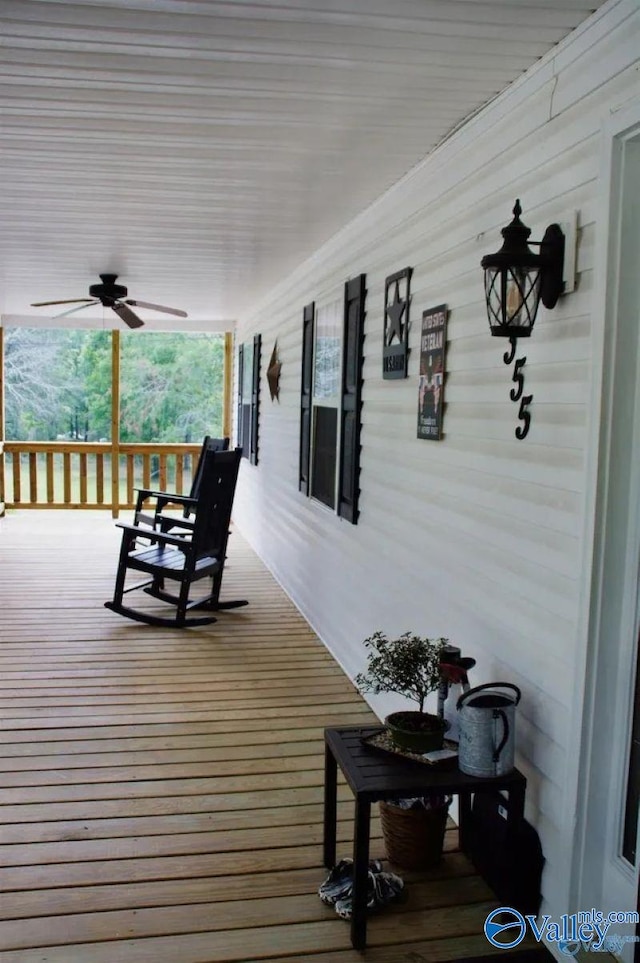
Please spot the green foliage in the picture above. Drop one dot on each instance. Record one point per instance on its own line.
(171, 387)
(408, 665)
(58, 385)
(96, 365)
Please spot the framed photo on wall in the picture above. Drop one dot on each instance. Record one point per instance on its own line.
(433, 342)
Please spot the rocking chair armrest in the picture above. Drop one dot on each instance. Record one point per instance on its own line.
(133, 531)
(153, 492)
(144, 493)
(158, 519)
(163, 498)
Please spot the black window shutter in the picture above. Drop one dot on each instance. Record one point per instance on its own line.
(308, 317)
(352, 357)
(240, 421)
(255, 399)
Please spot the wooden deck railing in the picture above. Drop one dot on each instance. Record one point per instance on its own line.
(43, 474)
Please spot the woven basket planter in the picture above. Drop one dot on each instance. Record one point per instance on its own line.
(413, 838)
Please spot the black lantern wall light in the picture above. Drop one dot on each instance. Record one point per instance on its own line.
(516, 279)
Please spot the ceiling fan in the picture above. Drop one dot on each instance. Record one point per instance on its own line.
(112, 295)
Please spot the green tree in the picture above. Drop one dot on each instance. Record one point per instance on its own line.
(96, 365)
(32, 388)
(58, 385)
(171, 387)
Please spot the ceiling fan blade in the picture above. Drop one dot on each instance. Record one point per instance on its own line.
(80, 307)
(44, 304)
(127, 315)
(158, 307)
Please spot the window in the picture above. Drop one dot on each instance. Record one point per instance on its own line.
(325, 402)
(248, 398)
(330, 400)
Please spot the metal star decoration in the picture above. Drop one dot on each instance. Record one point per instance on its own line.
(395, 346)
(395, 310)
(273, 374)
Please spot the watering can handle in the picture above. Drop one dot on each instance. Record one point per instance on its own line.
(489, 685)
(505, 722)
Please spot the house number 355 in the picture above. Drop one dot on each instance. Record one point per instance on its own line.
(516, 394)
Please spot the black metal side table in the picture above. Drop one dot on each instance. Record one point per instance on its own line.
(373, 776)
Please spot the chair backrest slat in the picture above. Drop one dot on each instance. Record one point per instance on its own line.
(208, 444)
(215, 501)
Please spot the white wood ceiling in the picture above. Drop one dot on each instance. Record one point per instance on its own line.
(202, 148)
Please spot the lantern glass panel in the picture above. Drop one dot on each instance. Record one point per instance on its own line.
(513, 295)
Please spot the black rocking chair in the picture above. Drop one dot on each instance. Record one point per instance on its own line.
(184, 557)
(164, 499)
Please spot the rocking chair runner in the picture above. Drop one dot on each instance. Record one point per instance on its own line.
(162, 499)
(186, 557)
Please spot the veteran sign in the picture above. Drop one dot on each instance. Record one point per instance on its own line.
(433, 340)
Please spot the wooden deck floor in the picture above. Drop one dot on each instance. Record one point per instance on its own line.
(161, 790)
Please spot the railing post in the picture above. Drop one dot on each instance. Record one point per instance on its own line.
(115, 423)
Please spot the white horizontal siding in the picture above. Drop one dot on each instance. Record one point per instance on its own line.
(477, 537)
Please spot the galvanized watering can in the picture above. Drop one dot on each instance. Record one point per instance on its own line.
(487, 729)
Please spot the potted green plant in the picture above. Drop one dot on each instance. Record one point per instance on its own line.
(410, 666)
(413, 829)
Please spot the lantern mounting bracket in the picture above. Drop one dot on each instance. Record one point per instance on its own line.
(552, 251)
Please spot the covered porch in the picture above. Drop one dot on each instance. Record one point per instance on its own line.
(162, 790)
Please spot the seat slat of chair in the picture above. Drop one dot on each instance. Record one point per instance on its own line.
(168, 559)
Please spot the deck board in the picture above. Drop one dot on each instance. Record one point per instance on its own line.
(162, 790)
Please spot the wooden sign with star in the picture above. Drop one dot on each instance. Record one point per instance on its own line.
(395, 349)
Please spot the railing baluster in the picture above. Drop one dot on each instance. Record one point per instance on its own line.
(33, 477)
(66, 476)
(163, 472)
(15, 468)
(50, 478)
(130, 478)
(146, 470)
(180, 457)
(83, 478)
(99, 478)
